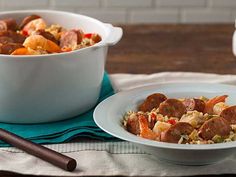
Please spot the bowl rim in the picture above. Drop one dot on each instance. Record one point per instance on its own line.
(142, 141)
(99, 44)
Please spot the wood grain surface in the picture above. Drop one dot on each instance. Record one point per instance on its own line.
(157, 48)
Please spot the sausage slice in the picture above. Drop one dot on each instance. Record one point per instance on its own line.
(27, 20)
(96, 38)
(152, 101)
(8, 24)
(5, 39)
(132, 124)
(68, 39)
(194, 104)
(214, 126)
(172, 108)
(16, 38)
(9, 48)
(173, 134)
(47, 35)
(229, 114)
(3, 26)
(80, 35)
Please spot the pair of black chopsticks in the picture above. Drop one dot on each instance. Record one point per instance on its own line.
(39, 151)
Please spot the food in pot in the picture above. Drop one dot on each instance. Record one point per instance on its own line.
(183, 121)
(33, 36)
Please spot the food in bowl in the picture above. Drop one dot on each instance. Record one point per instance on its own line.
(33, 36)
(183, 121)
(111, 121)
(56, 86)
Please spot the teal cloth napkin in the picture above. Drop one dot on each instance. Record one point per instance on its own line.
(64, 131)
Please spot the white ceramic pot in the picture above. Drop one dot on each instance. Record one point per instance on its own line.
(44, 88)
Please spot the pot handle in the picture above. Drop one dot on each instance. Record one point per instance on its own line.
(114, 36)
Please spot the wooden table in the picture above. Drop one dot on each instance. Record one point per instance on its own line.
(157, 48)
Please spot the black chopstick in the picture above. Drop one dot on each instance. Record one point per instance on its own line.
(46, 154)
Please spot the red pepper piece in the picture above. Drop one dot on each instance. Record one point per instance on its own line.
(171, 121)
(88, 35)
(153, 116)
(25, 33)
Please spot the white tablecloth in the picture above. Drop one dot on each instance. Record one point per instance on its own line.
(119, 158)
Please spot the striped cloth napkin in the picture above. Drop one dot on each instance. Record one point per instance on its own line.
(119, 157)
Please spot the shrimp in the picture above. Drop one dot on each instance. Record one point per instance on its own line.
(211, 103)
(36, 42)
(219, 107)
(25, 51)
(145, 131)
(34, 25)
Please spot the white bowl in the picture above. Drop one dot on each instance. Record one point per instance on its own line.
(108, 115)
(44, 88)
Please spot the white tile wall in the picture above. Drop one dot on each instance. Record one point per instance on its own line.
(181, 3)
(128, 3)
(222, 3)
(138, 11)
(25, 3)
(154, 16)
(106, 15)
(75, 3)
(205, 15)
